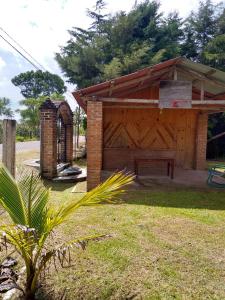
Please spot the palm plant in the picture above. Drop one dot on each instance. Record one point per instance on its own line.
(33, 221)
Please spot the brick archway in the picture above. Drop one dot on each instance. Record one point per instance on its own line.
(56, 144)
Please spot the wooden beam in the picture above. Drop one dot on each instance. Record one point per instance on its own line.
(111, 88)
(132, 106)
(126, 100)
(202, 91)
(215, 111)
(201, 76)
(220, 94)
(216, 137)
(207, 95)
(207, 110)
(175, 74)
(133, 81)
(149, 83)
(210, 72)
(210, 102)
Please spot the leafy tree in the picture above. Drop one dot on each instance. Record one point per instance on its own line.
(214, 52)
(30, 114)
(189, 46)
(119, 44)
(221, 21)
(5, 109)
(34, 84)
(204, 22)
(33, 222)
(200, 27)
(116, 45)
(97, 16)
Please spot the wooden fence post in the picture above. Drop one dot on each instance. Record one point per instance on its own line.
(9, 144)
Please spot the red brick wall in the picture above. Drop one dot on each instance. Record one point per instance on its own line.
(48, 143)
(94, 143)
(201, 141)
(49, 113)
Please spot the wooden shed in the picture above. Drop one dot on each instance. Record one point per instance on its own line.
(160, 112)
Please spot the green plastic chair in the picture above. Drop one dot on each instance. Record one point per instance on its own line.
(216, 176)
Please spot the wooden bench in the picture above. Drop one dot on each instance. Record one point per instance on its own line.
(170, 162)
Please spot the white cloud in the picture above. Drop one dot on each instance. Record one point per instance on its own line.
(2, 63)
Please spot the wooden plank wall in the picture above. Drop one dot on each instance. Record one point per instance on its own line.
(153, 93)
(147, 93)
(138, 132)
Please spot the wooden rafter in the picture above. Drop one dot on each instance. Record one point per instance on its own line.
(201, 76)
(202, 93)
(216, 137)
(219, 94)
(133, 81)
(146, 84)
(195, 90)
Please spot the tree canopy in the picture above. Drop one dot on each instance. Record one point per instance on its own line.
(5, 109)
(118, 44)
(34, 84)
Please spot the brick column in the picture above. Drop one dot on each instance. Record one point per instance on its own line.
(94, 143)
(69, 143)
(201, 141)
(48, 166)
(9, 145)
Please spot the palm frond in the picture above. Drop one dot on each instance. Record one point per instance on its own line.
(22, 238)
(11, 198)
(108, 192)
(36, 197)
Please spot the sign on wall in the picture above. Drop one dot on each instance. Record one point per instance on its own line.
(175, 94)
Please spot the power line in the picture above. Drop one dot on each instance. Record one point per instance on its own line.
(36, 67)
(23, 49)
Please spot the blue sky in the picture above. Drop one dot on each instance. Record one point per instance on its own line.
(40, 26)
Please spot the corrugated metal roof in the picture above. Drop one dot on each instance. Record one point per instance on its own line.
(214, 80)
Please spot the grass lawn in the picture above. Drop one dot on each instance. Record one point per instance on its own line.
(165, 244)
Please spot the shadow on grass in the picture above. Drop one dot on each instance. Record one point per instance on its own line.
(214, 200)
(58, 186)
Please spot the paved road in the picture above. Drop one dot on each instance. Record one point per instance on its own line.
(30, 146)
(25, 146)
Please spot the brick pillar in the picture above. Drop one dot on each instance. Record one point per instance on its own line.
(69, 143)
(201, 141)
(94, 143)
(8, 145)
(48, 118)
